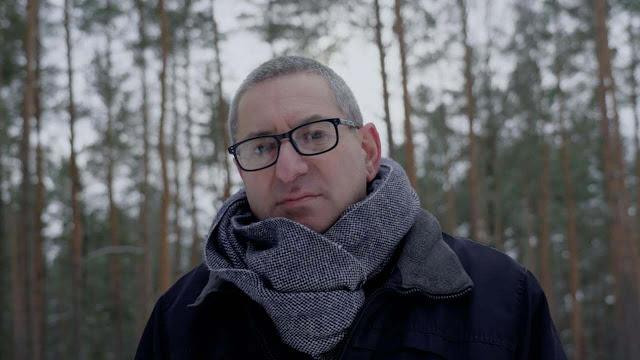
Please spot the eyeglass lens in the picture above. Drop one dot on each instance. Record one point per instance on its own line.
(310, 139)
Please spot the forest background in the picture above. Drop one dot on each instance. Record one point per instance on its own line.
(517, 122)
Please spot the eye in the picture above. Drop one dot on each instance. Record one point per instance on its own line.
(315, 135)
(263, 148)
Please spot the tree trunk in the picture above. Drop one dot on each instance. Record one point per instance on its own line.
(22, 331)
(144, 270)
(527, 223)
(452, 221)
(76, 238)
(37, 261)
(195, 256)
(177, 253)
(165, 270)
(18, 311)
(470, 108)
(633, 39)
(545, 261)
(574, 259)
(623, 249)
(114, 231)
(222, 107)
(410, 165)
(577, 331)
(383, 75)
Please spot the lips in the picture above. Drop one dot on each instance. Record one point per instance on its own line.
(296, 199)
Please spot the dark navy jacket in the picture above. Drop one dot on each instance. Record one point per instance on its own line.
(448, 298)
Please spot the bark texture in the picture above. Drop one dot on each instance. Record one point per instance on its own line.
(145, 280)
(409, 165)
(624, 252)
(163, 242)
(177, 204)
(37, 259)
(76, 236)
(383, 75)
(476, 232)
(222, 105)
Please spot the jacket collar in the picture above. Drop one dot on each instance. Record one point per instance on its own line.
(426, 263)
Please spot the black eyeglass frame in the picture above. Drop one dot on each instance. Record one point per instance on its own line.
(287, 135)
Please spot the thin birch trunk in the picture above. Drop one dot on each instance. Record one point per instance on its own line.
(222, 107)
(410, 165)
(165, 266)
(76, 238)
(383, 76)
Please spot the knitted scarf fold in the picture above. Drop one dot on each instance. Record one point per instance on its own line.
(310, 284)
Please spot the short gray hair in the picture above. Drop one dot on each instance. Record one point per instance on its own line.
(343, 98)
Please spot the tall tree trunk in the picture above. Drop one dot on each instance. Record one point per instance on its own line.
(144, 271)
(114, 230)
(473, 158)
(22, 331)
(165, 270)
(177, 253)
(410, 165)
(383, 75)
(527, 223)
(37, 261)
(195, 256)
(577, 331)
(545, 261)
(623, 249)
(452, 221)
(76, 238)
(574, 258)
(493, 178)
(18, 311)
(633, 39)
(222, 107)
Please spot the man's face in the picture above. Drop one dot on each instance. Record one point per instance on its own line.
(311, 190)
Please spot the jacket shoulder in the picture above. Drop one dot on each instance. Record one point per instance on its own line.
(483, 262)
(186, 289)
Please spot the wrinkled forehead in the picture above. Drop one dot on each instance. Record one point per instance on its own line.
(281, 103)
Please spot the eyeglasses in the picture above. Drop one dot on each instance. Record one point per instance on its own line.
(309, 139)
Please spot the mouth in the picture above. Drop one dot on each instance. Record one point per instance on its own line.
(295, 200)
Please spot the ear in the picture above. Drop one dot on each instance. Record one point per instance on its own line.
(372, 150)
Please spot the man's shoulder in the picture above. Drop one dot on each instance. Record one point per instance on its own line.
(187, 288)
(482, 261)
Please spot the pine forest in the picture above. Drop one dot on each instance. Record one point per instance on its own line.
(516, 121)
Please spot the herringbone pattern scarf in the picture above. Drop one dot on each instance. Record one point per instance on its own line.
(310, 284)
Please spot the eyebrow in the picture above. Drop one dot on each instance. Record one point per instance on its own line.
(303, 121)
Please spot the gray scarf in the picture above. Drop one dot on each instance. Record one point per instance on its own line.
(311, 284)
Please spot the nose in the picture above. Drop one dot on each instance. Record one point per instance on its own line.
(290, 164)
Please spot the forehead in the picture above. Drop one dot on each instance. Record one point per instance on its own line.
(279, 104)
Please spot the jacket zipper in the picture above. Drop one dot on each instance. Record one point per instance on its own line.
(399, 292)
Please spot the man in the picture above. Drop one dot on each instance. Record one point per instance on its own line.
(326, 253)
